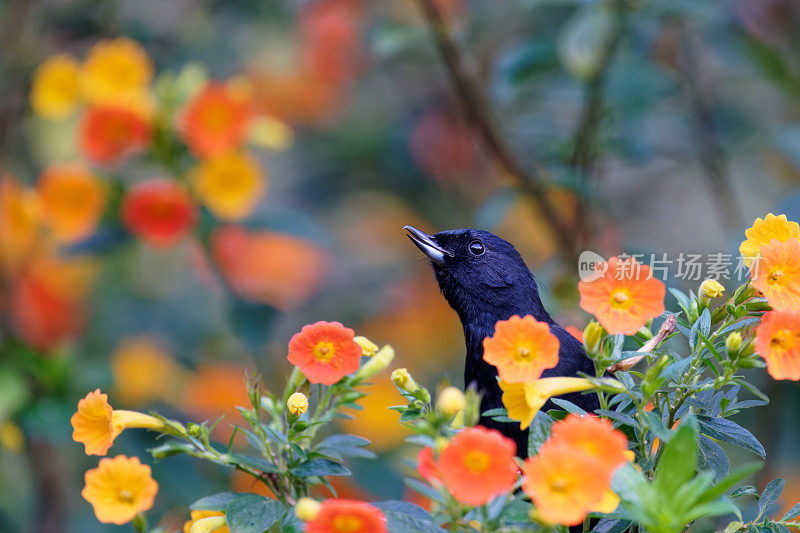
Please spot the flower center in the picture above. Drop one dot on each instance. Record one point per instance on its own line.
(619, 299)
(559, 485)
(783, 340)
(324, 351)
(347, 524)
(522, 354)
(126, 496)
(775, 276)
(476, 461)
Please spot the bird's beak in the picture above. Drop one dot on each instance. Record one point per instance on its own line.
(425, 242)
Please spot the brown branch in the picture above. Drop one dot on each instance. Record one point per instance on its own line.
(476, 109)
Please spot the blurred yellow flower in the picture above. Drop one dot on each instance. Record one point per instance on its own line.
(272, 133)
(297, 403)
(56, 87)
(118, 72)
(144, 372)
(72, 201)
(119, 489)
(11, 437)
(763, 231)
(376, 422)
(203, 515)
(368, 348)
(307, 509)
(229, 184)
(451, 400)
(96, 424)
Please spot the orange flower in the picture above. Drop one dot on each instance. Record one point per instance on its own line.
(110, 134)
(325, 352)
(575, 332)
(72, 201)
(215, 390)
(347, 516)
(48, 300)
(763, 232)
(624, 298)
(426, 466)
(216, 120)
(777, 274)
(160, 212)
(563, 483)
(778, 342)
(596, 436)
(20, 215)
(199, 515)
(230, 184)
(119, 489)
(96, 424)
(144, 372)
(477, 465)
(521, 348)
(272, 268)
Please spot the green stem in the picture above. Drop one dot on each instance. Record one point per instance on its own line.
(139, 523)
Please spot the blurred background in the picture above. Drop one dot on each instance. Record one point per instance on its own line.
(660, 126)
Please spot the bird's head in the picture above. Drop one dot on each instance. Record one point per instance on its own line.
(478, 271)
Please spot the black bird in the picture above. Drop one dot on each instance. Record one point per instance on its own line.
(484, 279)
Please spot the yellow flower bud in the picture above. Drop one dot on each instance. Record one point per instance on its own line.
(710, 288)
(297, 403)
(733, 342)
(307, 509)
(368, 348)
(379, 362)
(451, 400)
(440, 443)
(592, 335)
(403, 380)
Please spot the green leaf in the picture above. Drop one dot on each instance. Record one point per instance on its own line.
(252, 513)
(258, 463)
(215, 502)
(677, 463)
(770, 495)
(320, 467)
(792, 513)
(404, 517)
(538, 432)
(346, 445)
(568, 406)
(744, 491)
(713, 456)
(731, 432)
(728, 482)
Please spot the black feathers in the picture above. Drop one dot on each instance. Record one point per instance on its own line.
(484, 279)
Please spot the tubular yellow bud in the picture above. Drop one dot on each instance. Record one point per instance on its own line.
(207, 525)
(710, 288)
(368, 348)
(451, 400)
(307, 509)
(297, 403)
(592, 335)
(403, 380)
(379, 362)
(733, 342)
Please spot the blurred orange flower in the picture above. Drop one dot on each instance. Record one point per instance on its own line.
(96, 424)
(575, 332)
(117, 72)
(375, 421)
(563, 484)
(763, 231)
(109, 134)
(624, 297)
(521, 348)
(230, 184)
(144, 372)
(444, 148)
(777, 274)
(347, 516)
(199, 515)
(72, 201)
(596, 436)
(48, 300)
(216, 120)
(426, 466)
(477, 465)
(56, 87)
(295, 95)
(325, 352)
(20, 216)
(119, 489)
(330, 37)
(158, 211)
(215, 390)
(271, 268)
(778, 342)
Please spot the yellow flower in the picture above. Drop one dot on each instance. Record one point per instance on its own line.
(206, 522)
(118, 72)
(711, 288)
(56, 87)
(592, 335)
(119, 489)
(11, 437)
(272, 133)
(402, 380)
(96, 424)
(368, 348)
(307, 509)
(451, 400)
(763, 232)
(523, 400)
(229, 185)
(297, 403)
(143, 372)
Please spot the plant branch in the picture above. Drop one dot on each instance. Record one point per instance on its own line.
(475, 107)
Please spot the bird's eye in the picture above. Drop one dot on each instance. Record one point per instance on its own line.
(476, 248)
